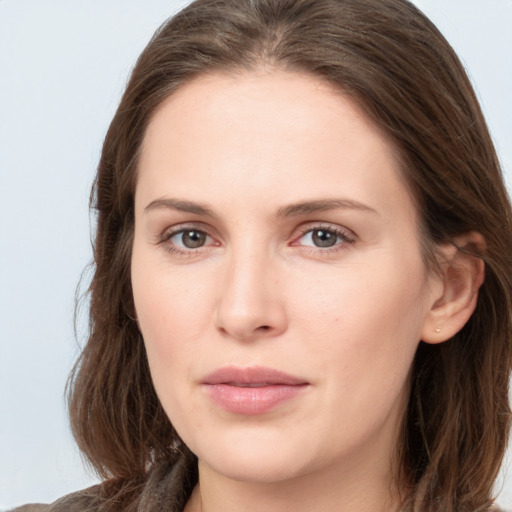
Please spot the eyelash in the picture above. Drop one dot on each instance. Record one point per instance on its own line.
(172, 248)
(344, 237)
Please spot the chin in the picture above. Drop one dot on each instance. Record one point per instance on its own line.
(255, 469)
(253, 457)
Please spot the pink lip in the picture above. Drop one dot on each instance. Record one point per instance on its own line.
(253, 390)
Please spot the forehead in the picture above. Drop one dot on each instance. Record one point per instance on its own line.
(263, 103)
(281, 135)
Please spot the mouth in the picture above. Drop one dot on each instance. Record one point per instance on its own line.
(252, 391)
(249, 385)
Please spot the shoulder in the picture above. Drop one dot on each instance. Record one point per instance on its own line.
(167, 488)
(87, 500)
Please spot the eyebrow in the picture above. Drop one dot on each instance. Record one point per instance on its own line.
(291, 210)
(322, 205)
(179, 205)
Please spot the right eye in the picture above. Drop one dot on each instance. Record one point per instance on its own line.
(189, 239)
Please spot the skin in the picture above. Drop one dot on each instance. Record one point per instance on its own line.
(260, 292)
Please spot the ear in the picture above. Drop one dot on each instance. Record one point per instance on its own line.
(456, 290)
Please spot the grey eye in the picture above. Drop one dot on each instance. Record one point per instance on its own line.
(190, 238)
(323, 238)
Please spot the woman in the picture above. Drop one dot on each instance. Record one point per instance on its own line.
(302, 296)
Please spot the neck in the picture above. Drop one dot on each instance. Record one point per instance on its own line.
(358, 489)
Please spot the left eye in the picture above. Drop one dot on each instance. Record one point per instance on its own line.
(322, 238)
(189, 239)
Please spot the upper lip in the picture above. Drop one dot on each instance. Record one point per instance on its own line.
(254, 375)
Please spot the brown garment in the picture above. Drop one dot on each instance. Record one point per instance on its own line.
(167, 489)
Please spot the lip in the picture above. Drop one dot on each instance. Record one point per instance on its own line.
(253, 390)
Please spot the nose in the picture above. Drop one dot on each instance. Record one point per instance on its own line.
(251, 301)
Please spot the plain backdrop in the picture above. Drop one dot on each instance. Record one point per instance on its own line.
(63, 66)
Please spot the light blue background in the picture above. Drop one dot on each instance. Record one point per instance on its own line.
(63, 66)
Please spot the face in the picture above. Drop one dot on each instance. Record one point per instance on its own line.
(277, 276)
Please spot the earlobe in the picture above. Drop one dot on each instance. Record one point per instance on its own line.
(462, 275)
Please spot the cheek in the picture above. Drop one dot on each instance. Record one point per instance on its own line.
(167, 326)
(174, 311)
(366, 320)
(168, 298)
(166, 312)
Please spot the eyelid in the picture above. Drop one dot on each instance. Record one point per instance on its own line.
(170, 231)
(167, 234)
(347, 236)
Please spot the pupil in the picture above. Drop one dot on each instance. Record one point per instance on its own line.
(193, 239)
(323, 238)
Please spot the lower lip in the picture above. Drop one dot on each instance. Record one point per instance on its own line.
(251, 401)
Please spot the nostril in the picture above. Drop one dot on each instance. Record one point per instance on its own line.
(264, 327)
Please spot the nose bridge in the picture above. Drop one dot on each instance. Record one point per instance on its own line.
(250, 304)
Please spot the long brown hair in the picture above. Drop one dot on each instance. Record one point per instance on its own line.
(396, 65)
